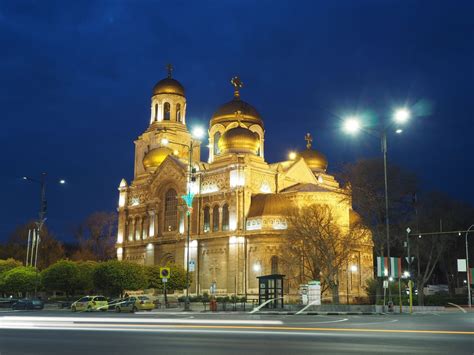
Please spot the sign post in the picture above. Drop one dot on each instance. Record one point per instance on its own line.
(165, 273)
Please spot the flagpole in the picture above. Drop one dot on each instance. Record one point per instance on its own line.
(28, 247)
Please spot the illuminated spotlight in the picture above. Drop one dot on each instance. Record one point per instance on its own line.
(292, 155)
(62, 181)
(257, 267)
(390, 279)
(406, 274)
(401, 115)
(354, 268)
(164, 141)
(399, 130)
(198, 132)
(175, 152)
(351, 125)
(24, 178)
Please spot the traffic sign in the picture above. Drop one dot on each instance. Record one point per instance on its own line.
(165, 272)
(409, 260)
(192, 266)
(164, 280)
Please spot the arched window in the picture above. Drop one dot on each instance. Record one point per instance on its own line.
(178, 113)
(215, 218)
(274, 263)
(166, 111)
(207, 219)
(225, 217)
(217, 136)
(259, 145)
(171, 211)
(156, 112)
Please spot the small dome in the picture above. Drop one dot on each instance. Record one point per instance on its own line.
(239, 140)
(236, 110)
(314, 159)
(168, 86)
(155, 157)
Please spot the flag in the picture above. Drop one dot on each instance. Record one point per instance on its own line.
(471, 275)
(382, 266)
(395, 267)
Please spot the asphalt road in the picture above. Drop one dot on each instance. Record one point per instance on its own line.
(109, 333)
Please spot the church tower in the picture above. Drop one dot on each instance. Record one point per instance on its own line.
(167, 133)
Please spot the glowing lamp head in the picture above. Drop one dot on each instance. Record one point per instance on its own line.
(354, 268)
(406, 274)
(257, 267)
(351, 125)
(164, 141)
(398, 131)
(62, 181)
(198, 132)
(292, 155)
(401, 115)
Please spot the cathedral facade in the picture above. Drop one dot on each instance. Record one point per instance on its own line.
(237, 215)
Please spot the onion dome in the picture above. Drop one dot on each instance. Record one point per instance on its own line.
(236, 109)
(155, 157)
(168, 85)
(239, 140)
(314, 159)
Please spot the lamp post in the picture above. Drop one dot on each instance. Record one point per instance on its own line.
(42, 217)
(352, 125)
(468, 270)
(197, 133)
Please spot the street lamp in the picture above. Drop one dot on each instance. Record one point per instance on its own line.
(469, 281)
(197, 133)
(42, 214)
(352, 126)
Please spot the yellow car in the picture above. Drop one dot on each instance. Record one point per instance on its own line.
(90, 303)
(134, 304)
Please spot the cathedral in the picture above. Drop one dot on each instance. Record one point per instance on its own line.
(234, 203)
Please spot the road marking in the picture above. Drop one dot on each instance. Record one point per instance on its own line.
(324, 322)
(389, 321)
(459, 307)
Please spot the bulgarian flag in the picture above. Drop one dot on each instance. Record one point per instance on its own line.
(471, 275)
(395, 267)
(382, 266)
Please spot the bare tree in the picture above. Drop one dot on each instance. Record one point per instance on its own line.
(96, 237)
(320, 245)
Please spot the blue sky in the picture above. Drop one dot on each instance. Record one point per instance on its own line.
(76, 79)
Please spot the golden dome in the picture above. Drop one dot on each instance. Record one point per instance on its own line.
(314, 159)
(239, 140)
(237, 109)
(168, 86)
(155, 157)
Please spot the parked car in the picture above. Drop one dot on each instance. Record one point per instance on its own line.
(27, 303)
(7, 302)
(90, 303)
(134, 304)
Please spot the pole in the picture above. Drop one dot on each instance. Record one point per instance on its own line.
(28, 247)
(400, 293)
(409, 269)
(468, 270)
(33, 245)
(347, 284)
(42, 218)
(186, 304)
(387, 221)
(166, 297)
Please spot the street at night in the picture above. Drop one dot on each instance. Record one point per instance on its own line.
(197, 333)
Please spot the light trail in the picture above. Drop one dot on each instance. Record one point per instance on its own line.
(127, 325)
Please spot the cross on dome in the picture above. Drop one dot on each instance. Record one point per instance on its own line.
(169, 68)
(237, 84)
(309, 140)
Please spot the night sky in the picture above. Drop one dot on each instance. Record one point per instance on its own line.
(76, 79)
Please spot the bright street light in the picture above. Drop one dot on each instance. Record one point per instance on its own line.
(399, 130)
(351, 125)
(401, 115)
(198, 132)
(292, 155)
(62, 181)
